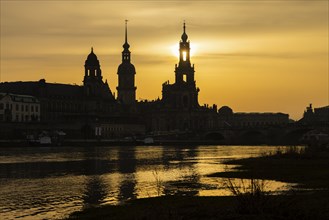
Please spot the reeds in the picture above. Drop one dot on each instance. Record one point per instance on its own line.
(158, 182)
(251, 194)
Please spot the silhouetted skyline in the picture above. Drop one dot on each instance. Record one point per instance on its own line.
(255, 56)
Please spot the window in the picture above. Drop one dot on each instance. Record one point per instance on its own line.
(36, 108)
(1, 106)
(32, 108)
(184, 55)
(17, 108)
(184, 78)
(26, 108)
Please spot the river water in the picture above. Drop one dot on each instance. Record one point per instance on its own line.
(52, 182)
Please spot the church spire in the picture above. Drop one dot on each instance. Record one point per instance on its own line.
(126, 75)
(126, 52)
(126, 38)
(184, 67)
(184, 35)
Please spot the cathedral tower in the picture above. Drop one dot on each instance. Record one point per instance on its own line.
(93, 74)
(126, 76)
(183, 94)
(184, 71)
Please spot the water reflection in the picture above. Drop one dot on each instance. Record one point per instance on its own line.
(44, 183)
(188, 182)
(127, 167)
(96, 191)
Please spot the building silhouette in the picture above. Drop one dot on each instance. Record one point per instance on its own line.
(179, 108)
(126, 76)
(93, 84)
(316, 116)
(183, 93)
(92, 110)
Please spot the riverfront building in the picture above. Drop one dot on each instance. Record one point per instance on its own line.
(91, 109)
(19, 108)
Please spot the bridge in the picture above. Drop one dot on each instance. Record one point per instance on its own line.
(289, 134)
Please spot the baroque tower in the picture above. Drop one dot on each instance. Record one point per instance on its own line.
(183, 94)
(126, 76)
(93, 80)
(184, 71)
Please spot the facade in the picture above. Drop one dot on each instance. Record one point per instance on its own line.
(70, 103)
(19, 108)
(76, 109)
(229, 119)
(316, 116)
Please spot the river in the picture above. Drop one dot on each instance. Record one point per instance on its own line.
(52, 182)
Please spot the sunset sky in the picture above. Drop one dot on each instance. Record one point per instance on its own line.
(254, 56)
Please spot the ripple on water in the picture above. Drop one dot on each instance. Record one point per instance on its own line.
(51, 183)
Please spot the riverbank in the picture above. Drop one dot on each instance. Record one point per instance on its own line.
(309, 170)
(113, 142)
(293, 207)
(123, 142)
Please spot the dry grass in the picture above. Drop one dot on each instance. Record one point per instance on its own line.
(158, 182)
(251, 194)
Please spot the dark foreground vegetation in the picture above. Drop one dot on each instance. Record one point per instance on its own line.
(297, 207)
(309, 168)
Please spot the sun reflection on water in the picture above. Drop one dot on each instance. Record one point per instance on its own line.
(63, 180)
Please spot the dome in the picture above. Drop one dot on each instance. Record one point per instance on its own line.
(92, 59)
(126, 68)
(225, 110)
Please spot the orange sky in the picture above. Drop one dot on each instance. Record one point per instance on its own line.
(254, 56)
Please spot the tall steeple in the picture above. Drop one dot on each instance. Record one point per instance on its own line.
(181, 97)
(184, 35)
(184, 70)
(126, 75)
(126, 52)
